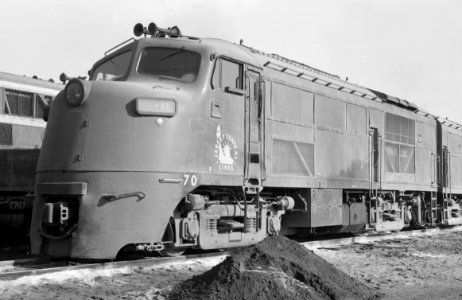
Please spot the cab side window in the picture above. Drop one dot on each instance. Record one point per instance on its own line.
(227, 74)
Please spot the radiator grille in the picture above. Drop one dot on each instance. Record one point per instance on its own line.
(24, 104)
(20, 136)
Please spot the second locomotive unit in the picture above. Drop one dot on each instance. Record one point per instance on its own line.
(23, 102)
(178, 142)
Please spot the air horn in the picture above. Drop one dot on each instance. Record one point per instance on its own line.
(156, 31)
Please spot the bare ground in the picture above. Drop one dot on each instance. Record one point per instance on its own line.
(428, 267)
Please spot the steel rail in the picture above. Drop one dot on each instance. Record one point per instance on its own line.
(369, 238)
(156, 261)
(24, 261)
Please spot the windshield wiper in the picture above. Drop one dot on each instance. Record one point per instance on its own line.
(172, 53)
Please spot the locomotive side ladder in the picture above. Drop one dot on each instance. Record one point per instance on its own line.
(374, 175)
(374, 161)
(254, 154)
(446, 186)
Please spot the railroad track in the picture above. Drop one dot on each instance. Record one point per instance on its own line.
(40, 266)
(370, 238)
(15, 269)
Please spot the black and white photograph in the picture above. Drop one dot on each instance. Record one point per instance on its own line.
(201, 149)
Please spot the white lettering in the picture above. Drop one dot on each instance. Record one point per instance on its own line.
(190, 179)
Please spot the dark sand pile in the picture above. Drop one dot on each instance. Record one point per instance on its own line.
(277, 268)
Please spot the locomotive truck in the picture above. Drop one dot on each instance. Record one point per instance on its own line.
(178, 142)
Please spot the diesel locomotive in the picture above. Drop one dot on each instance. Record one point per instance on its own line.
(23, 101)
(178, 142)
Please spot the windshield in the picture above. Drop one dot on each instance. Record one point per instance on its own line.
(113, 68)
(172, 63)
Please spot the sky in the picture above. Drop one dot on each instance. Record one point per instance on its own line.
(411, 49)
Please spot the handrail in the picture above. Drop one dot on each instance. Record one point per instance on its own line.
(114, 197)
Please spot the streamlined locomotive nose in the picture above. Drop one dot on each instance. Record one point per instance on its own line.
(99, 156)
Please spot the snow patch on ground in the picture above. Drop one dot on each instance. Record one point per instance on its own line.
(88, 276)
(85, 275)
(421, 254)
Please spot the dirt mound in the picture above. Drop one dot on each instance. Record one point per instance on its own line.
(277, 268)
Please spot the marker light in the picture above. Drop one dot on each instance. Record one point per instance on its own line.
(155, 107)
(76, 92)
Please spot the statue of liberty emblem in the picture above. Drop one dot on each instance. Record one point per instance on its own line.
(225, 151)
